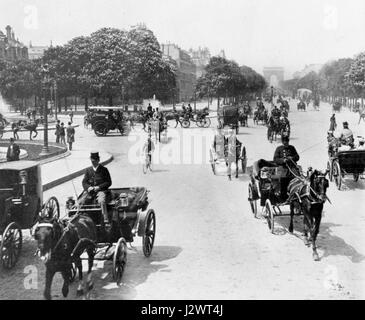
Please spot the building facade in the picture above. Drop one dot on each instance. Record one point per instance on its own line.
(11, 48)
(36, 52)
(186, 71)
(201, 58)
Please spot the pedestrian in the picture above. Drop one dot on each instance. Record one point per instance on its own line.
(34, 113)
(62, 133)
(71, 114)
(70, 135)
(57, 132)
(333, 124)
(13, 151)
(15, 129)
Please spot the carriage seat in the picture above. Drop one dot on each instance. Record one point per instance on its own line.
(274, 173)
(137, 198)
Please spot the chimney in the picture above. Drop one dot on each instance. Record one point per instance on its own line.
(8, 32)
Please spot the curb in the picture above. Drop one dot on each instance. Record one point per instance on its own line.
(71, 176)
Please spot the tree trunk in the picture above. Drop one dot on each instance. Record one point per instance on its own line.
(65, 104)
(86, 103)
(110, 101)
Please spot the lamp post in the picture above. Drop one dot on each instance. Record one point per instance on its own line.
(45, 84)
(55, 97)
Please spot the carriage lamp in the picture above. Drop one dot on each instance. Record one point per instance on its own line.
(123, 199)
(23, 180)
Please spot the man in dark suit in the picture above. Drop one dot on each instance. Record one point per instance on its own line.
(13, 151)
(96, 182)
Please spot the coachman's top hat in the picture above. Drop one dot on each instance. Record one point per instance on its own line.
(94, 155)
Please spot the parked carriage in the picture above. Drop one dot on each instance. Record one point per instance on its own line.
(229, 116)
(129, 216)
(21, 197)
(106, 119)
(343, 163)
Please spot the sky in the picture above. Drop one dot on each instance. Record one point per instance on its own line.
(256, 33)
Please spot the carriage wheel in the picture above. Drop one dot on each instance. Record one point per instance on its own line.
(269, 215)
(356, 177)
(119, 260)
(100, 129)
(51, 209)
(206, 123)
(251, 199)
(329, 168)
(148, 238)
(11, 245)
(336, 171)
(185, 124)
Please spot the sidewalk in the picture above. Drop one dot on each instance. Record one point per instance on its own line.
(63, 169)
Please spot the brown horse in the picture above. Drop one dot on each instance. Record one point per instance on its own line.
(309, 195)
(60, 244)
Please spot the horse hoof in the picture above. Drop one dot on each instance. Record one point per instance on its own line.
(315, 257)
(291, 230)
(79, 292)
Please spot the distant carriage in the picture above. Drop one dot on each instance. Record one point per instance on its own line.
(336, 107)
(229, 116)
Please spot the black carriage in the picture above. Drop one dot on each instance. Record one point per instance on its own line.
(270, 188)
(262, 115)
(229, 116)
(336, 107)
(106, 119)
(277, 126)
(342, 163)
(130, 217)
(21, 197)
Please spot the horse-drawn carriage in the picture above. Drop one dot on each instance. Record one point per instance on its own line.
(304, 194)
(106, 119)
(336, 107)
(229, 116)
(219, 157)
(21, 197)
(200, 117)
(129, 215)
(260, 114)
(277, 126)
(342, 163)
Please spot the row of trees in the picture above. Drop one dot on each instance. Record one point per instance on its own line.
(113, 65)
(226, 79)
(109, 64)
(340, 79)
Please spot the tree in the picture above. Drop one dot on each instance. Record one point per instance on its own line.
(355, 76)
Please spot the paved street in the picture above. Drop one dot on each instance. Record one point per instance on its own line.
(208, 244)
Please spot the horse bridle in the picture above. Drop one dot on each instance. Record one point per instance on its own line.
(302, 178)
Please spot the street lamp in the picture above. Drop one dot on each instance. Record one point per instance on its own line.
(45, 84)
(55, 97)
